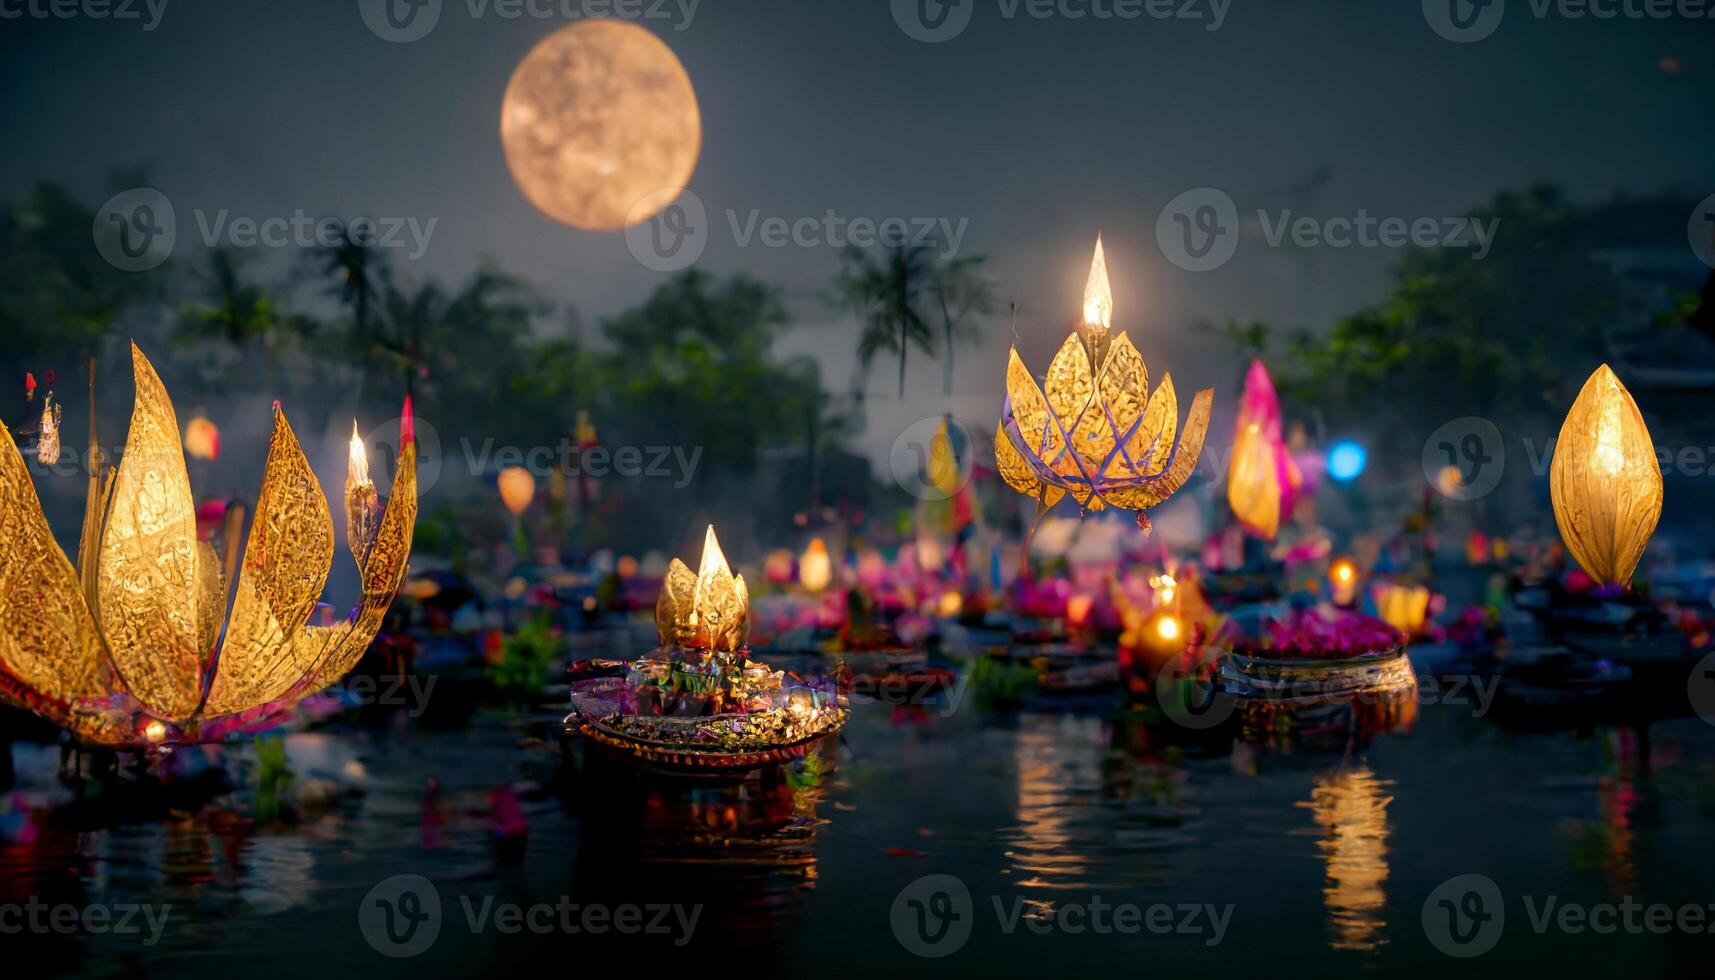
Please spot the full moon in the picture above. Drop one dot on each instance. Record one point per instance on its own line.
(601, 126)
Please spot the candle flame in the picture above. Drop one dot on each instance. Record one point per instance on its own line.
(359, 458)
(1098, 293)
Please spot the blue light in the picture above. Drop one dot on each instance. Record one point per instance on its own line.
(1346, 461)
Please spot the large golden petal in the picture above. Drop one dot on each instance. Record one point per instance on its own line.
(1071, 386)
(1124, 390)
(211, 596)
(1184, 459)
(389, 559)
(1030, 410)
(48, 639)
(148, 573)
(1605, 480)
(673, 607)
(286, 564)
(1017, 473)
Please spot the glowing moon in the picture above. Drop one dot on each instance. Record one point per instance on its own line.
(601, 126)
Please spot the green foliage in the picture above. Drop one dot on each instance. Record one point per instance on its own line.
(526, 659)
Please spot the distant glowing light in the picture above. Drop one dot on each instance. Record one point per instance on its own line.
(1346, 461)
(1168, 628)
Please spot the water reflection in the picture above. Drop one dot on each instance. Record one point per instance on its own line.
(1350, 806)
(1059, 774)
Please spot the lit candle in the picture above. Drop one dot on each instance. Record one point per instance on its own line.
(362, 504)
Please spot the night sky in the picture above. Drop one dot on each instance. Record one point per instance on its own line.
(1038, 132)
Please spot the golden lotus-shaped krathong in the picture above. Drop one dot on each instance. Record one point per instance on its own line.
(1605, 480)
(706, 611)
(1094, 430)
(127, 649)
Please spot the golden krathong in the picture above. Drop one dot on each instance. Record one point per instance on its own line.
(1094, 430)
(126, 649)
(706, 611)
(1606, 481)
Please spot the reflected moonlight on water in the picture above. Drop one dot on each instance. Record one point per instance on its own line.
(601, 125)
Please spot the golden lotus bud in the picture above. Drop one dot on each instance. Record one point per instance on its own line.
(706, 611)
(1605, 481)
(517, 489)
(1094, 429)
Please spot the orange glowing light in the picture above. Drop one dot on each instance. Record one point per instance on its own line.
(359, 458)
(1099, 293)
(517, 489)
(815, 568)
(1169, 628)
(202, 439)
(1344, 572)
(1078, 609)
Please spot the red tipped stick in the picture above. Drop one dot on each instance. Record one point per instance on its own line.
(407, 425)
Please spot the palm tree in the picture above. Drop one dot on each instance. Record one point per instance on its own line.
(964, 293)
(901, 291)
(238, 317)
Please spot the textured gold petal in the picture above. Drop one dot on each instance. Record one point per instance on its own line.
(1184, 460)
(1017, 473)
(1124, 388)
(48, 639)
(673, 608)
(1605, 480)
(1030, 410)
(286, 564)
(1253, 488)
(1152, 444)
(211, 596)
(1071, 387)
(148, 568)
(389, 558)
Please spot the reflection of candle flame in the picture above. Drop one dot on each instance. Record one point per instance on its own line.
(1058, 764)
(1351, 808)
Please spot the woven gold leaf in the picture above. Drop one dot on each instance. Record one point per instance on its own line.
(286, 564)
(1184, 460)
(1070, 388)
(48, 639)
(148, 572)
(673, 607)
(1030, 410)
(1017, 473)
(1605, 481)
(1124, 390)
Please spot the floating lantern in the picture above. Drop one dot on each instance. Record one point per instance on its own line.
(1404, 607)
(1343, 575)
(1263, 478)
(1094, 430)
(1346, 461)
(1605, 481)
(147, 601)
(815, 569)
(517, 489)
(202, 439)
(699, 703)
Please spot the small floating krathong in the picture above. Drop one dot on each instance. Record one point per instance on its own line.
(699, 704)
(133, 647)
